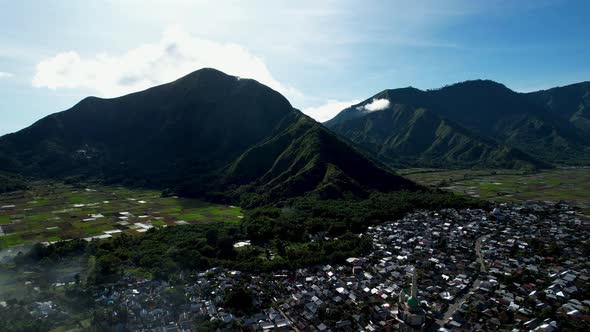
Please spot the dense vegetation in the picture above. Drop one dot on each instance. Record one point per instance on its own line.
(9, 182)
(304, 231)
(474, 123)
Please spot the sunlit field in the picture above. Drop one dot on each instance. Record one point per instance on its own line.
(49, 212)
(571, 184)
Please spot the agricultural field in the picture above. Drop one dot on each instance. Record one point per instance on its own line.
(561, 184)
(50, 212)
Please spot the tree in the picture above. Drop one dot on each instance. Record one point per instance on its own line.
(226, 248)
(212, 237)
(238, 298)
(280, 248)
(107, 266)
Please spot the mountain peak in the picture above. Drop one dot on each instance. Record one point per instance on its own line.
(477, 84)
(209, 75)
(207, 72)
(206, 76)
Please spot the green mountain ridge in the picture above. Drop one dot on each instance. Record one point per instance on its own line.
(206, 134)
(571, 102)
(403, 137)
(283, 165)
(470, 124)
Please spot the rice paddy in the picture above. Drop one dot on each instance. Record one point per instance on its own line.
(562, 184)
(50, 212)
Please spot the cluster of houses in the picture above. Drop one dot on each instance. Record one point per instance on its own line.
(518, 268)
(536, 275)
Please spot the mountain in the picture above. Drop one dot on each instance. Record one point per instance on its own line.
(404, 136)
(206, 134)
(571, 103)
(474, 123)
(509, 117)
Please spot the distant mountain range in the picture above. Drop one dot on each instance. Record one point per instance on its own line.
(570, 103)
(226, 138)
(206, 134)
(472, 124)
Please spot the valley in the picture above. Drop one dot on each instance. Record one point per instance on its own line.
(48, 212)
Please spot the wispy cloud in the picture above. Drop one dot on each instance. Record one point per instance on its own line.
(375, 105)
(328, 110)
(176, 53)
(4, 74)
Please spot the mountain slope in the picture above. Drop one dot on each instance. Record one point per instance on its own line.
(205, 133)
(571, 102)
(493, 110)
(404, 136)
(307, 157)
(493, 124)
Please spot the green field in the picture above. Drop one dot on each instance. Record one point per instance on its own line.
(50, 212)
(562, 184)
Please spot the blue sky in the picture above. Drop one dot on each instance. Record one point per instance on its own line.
(323, 55)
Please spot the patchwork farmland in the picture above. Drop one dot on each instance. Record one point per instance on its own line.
(50, 212)
(561, 184)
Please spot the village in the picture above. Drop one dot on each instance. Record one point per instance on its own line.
(520, 267)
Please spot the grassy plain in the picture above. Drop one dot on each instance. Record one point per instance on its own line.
(52, 211)
(561, 184)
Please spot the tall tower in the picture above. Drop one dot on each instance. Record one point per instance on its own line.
(414, 291)
(411, 317)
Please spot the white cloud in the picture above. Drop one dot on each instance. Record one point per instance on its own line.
(328, 110)
(375, 105)
(177, 53)
(4, 74)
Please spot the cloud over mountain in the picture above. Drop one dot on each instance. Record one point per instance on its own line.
(175, 54)
(375, 105)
